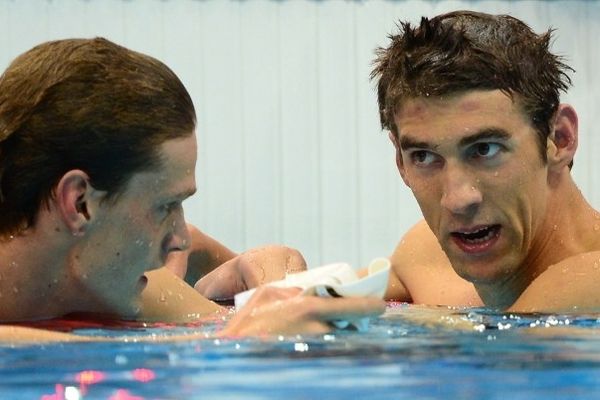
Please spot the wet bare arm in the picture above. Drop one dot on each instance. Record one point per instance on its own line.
(250, 269)
(204, 255)
(270, 311)
(167, 298)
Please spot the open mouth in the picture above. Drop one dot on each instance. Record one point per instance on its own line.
(476, 240)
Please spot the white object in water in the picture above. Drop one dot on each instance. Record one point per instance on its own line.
(335, 280)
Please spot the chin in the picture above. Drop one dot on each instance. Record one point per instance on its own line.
(483, 275)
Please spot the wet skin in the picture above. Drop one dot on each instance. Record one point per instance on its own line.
(136, 232)
(474, 166)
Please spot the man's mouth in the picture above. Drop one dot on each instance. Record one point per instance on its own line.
(476, 240)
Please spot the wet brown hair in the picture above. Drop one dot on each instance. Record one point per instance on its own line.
(85, 104)
(465, 50)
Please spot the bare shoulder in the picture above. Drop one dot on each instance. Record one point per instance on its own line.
(417, 250)
(168, 298)
(568, 286)
(423, 270)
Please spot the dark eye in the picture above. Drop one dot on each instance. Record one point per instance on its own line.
(486, 150)
(422, 158)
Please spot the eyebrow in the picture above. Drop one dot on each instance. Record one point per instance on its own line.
(483, 134)
(408, 142)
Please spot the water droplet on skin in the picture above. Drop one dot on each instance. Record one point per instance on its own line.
(555, 228)
(174, 224)
(15, 289)
(496, 173)
(184, 242)
(163, 297)
(596, 227)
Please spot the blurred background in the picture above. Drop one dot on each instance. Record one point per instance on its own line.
(290, 147)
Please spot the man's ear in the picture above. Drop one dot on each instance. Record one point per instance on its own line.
(73, 196)
(562, 141)
(399, 160)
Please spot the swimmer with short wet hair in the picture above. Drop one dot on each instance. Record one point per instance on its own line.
(97, 154)
(472, 105)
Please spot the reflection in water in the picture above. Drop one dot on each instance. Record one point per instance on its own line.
(411, 352)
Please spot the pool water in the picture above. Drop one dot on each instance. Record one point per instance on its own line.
(409, 353)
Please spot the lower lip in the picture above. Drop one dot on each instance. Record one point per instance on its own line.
(476, 248)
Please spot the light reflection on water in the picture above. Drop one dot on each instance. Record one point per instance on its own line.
(411, 352)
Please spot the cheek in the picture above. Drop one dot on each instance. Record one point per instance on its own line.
(427, 192)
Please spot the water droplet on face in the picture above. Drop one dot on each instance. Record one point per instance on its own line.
(163, 297)
(496, 173)
(173, 224)
(555, 228)
(184, 242)
(596, 227)
(15, 289)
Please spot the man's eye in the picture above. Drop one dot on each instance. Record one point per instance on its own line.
(486, 150)
(422, 157)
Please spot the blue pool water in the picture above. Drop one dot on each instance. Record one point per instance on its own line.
(409, 353)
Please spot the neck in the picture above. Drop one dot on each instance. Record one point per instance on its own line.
(33, 277)
(570, 226)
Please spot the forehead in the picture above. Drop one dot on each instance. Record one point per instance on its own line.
(175, 175)
(457, 113)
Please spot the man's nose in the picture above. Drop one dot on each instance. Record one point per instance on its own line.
(461, 194)
(180, 239)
